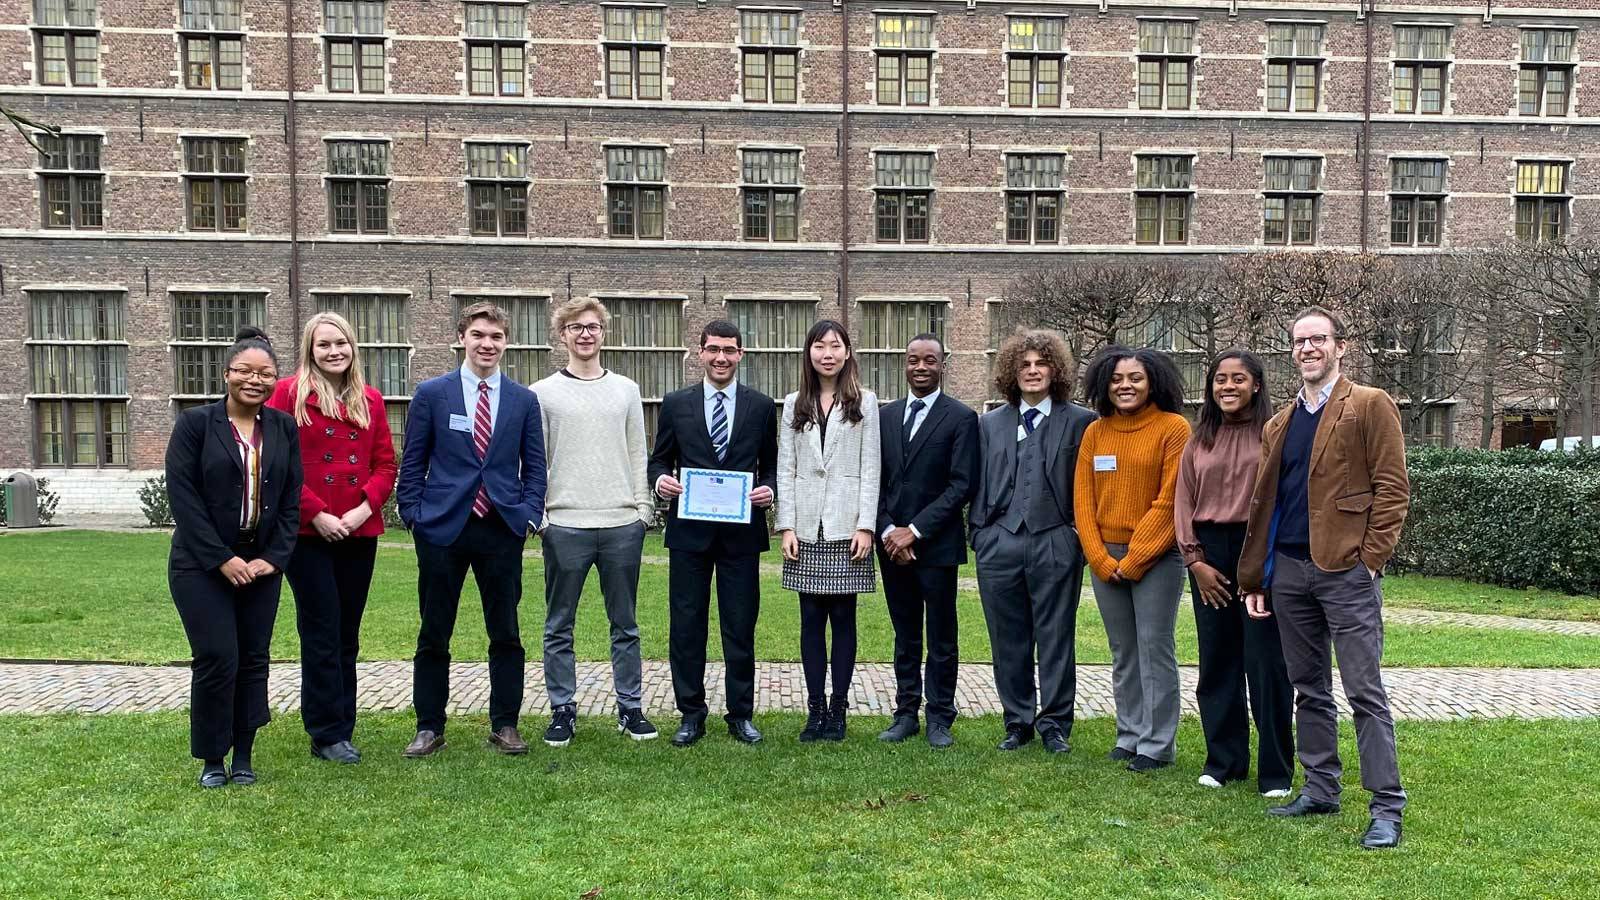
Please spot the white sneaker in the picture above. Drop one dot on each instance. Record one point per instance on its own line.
(1206, 781)
(1276, 793)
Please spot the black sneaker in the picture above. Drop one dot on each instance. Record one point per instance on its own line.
(632, 723)
(1142, 763)
(1119, 754)
(563, 720)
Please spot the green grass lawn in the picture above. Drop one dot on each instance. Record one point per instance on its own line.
(106, 806)
(96, 595)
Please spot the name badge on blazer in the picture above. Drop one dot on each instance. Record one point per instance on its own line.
(1105, 463)
(460, 423)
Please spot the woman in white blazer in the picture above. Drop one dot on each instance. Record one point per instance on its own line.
(827, 507)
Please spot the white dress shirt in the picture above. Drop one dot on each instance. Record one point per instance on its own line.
(912, 422)
(1044, 413)
(729, 395)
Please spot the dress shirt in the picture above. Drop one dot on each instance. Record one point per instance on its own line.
(469, 393)
(729, 395)
(913, 422)
(1322, 395)
(1023, 407)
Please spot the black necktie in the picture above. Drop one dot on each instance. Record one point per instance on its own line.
(1030, 421)
(917, 406)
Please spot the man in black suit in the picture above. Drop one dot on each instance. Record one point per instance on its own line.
(718, 424)
(930, 467)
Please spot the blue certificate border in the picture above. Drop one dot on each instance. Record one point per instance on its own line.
(689, 476)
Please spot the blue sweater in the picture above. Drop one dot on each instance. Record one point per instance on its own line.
(1293, 513)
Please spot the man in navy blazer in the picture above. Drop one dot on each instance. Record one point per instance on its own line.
(472, 484)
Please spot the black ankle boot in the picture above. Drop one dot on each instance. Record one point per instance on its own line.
(816, 721)
(834, 730)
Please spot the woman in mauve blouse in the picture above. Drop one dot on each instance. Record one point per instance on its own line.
(1216, 478)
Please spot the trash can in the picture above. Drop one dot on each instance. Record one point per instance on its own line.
(22, 501)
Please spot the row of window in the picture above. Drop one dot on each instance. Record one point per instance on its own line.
(495, 36)
(216, 186)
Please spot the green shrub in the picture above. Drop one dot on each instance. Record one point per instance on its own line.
(154, 503)
(1428, 459)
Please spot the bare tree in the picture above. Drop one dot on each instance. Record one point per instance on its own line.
(1095, 303)
(26, 127)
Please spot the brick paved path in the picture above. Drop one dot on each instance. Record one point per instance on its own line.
(1436, 694)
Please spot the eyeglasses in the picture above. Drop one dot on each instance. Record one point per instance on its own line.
(1310, 340)
(248, 374)
(729, 352)
(579, 328)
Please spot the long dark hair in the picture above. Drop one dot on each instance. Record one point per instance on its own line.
(1166, 382)
(846, 388)
(1211, 417)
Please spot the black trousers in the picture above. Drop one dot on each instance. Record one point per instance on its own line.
(738, 578)
(493, 552)
(230, 638)
(330, 581)
(1236, 651)
(919, 594)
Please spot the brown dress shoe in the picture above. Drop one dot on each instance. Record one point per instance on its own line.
(426, 743)
(507, 741)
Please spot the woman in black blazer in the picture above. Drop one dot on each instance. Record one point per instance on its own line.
(233, 479)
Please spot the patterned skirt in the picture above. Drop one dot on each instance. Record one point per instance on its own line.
(825, 567)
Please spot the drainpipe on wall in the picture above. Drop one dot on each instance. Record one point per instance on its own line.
(291, 134)
(1366, 125)
(844, 165)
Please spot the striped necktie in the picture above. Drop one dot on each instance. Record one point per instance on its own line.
(719, 428)
(481, 430)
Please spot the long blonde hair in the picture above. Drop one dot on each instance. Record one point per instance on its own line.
(347, 401)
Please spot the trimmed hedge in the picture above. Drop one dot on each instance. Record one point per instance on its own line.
(1518, 518)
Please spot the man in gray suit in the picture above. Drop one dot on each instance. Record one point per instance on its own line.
(1030, 569)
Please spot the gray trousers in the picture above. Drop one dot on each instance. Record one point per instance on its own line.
(1140, 619)
(1317, 610)
(569, 553)
(1029, 584)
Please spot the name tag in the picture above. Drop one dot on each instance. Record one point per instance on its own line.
(1105, 463)
(460, 423)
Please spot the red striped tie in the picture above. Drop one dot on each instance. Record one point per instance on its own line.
(480, 442)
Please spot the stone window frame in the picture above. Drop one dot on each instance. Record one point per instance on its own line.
(1414, 196)
(76, 179)
(77, 28)
(761, 45)
(109, 397)
(1289, 194)
(1164, 58)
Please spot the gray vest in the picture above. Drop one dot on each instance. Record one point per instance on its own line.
(1031, 505)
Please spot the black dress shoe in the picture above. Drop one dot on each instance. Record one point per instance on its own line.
(1381, 835)
(1015, 738)
(243, 776)
(1055, 741)
(690, 731)
(1118, 754)
(213, 776)
(901, 728)
(338, 751)
(1303, 806)
(1142, 763)
(939, 736)
(744, 731)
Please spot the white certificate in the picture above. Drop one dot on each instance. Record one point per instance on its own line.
(713, 495)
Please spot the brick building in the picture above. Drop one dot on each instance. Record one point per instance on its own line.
(892, 165)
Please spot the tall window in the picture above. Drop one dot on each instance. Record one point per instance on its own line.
(379, 321)
(212, 35)
(1544, 81)
(78, 377)
(1420, 68)
(215, 181)
(905, 59)
(646, 344)
(1004, 319)
(527, 355)
(1166, 63)
(1293, 185)
(358, 187)
(496, 37)
(904, 192)
(769, 49)
(635, 47)
(203, 326)
(1033, 198)
(772, 332)
(1416, 202)
(1542, 198)
(353, 33)
(636, 191)
(1173, 333)
(771, 195)
(497, 188)
(1294, 67)
(67, 42)
(71, 185)
(1034, 56)
(886, 327)
(1163, 188)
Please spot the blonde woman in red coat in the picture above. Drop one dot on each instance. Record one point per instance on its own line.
(349, 461)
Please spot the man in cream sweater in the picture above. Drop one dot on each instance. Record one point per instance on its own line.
(596, 509)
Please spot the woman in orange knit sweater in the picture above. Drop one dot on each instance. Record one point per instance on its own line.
(1123, 496)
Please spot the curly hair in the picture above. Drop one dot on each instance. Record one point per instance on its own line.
(1053, 352)
(1166, 382)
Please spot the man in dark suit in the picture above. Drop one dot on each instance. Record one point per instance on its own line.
(472, 484)
(1030, 567)
(718, 424)
(930, 466)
